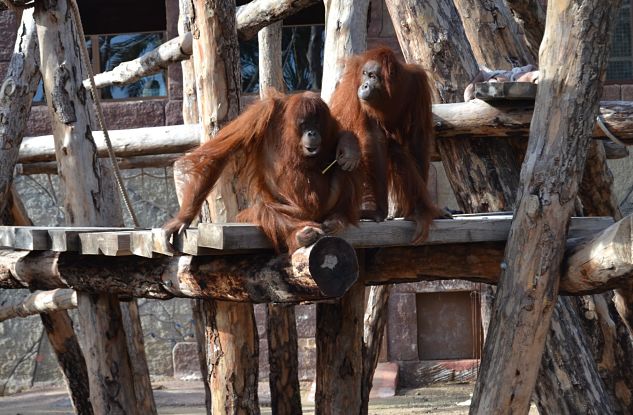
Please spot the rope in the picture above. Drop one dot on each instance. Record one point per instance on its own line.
(85, 60)
(606, 131)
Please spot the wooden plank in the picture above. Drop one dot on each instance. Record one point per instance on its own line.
(493, 91)
(32, 238)
(67, 239)
(396, 232)
(106, 243)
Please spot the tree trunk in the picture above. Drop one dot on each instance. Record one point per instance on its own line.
(489, 22)
(345, 35)
(374, 329)
(530, 16)
(281, 325)
(231, 333)
(340, 324)
(339, 337)
(85, 201)
(190, 116)
(561, 126)
(16, 97)
(431, 33)
(564, 393)
(145, 403)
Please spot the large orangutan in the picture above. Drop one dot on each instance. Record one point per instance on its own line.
(286, 142)
(388, 105)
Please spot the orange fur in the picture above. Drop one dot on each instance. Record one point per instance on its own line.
(395, 135)
(287, 190)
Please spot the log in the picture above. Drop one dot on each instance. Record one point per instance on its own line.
(561, 129)
(16, 95)
(324, 270)
(345, 35)
(89, 200)
(140, 162)
(174, 50)
(125, 143)
(591, 265)
(530, 16)
(190, 116)
(465, 120)
(339, 338)
(490, 23)
(375, 322)
(40, 302)
(255, 15)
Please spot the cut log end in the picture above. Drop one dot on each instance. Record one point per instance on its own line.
(332, 264)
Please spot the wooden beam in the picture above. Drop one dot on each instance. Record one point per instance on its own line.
(324, 270)
(174, 50)
(461, 229)
(40, 302)
(593, 264)
(474, 120)
(236, 238)
(140, 162)
(125, 143)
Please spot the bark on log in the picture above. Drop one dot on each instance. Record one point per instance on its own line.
(374, 330)
(145, 403)
(339, 337)
(345, 35)
(561, 126)
(569, 391)
(87, 201)
(125, 143)
(281, 325)
(431, 33)
(40, 302)
(530, 16)
(140, 162)
(174, 50)
(465, 120)
(60, 332)
(16, 96)
(324, 270)
(256, 15)
(190, 116)
(489, 22)
(591, 265)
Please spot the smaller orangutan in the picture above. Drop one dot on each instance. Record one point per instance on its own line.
(387, 104)
(285, 144)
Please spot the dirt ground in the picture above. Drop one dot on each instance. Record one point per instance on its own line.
(187, 398)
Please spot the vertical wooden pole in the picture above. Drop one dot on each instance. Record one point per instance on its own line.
(85, 201)
(190, 116)
(340, 325)
(19, 86)
(232, 342)
(566, 104)
(281, 326)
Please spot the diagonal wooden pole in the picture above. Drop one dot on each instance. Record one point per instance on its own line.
(567, 102)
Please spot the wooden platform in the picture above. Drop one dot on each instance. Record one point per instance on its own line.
(214, 239)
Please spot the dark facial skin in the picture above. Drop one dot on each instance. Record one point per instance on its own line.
(371, 82)
(310, 136)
